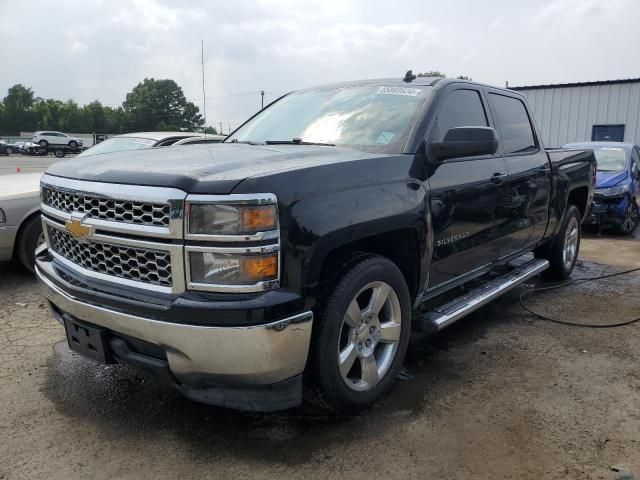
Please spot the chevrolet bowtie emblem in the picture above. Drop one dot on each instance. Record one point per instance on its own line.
(76, 228)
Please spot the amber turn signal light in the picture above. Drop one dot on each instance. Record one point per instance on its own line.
(255, 219)
(260, 268)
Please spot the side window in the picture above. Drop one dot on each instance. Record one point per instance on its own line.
(462, 108)
(517, 132)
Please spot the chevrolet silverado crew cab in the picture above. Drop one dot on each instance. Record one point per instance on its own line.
(292, 260)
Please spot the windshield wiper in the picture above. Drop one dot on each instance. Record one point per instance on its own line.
(297, 141)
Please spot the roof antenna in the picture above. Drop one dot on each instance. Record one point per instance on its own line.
(409, 76)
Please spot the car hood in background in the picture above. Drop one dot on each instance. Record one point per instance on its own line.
(19, 185)
(609, 179)
(213, 169)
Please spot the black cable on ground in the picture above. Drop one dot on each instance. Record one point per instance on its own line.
(539, 316)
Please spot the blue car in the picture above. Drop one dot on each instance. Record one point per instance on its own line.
(615, 203)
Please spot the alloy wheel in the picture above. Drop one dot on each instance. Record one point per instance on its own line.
(571, 243)
(369, 336)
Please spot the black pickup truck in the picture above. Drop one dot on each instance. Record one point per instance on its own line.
(292, 260)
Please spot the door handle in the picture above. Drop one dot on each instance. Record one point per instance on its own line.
(498, 178)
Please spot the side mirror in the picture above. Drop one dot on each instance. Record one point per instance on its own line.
(466, 142)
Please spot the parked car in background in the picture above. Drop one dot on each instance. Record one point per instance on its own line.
(617, 197)
(17, 147)
(20, 225)
(6, 149)
(44, 139)
(31, 148)
(136, 141)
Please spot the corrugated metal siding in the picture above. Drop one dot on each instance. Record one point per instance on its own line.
(567, 114)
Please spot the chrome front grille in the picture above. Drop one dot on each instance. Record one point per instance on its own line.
(132, 263)
(109, 209)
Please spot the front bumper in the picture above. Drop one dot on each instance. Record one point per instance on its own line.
(607, 211)
(254, 367)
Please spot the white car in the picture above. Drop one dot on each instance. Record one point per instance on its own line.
(20, 225)
(44, 139)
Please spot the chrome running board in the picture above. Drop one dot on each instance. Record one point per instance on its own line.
(444, 315)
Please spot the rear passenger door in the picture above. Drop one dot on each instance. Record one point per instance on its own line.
(466, 193)
(526, 206)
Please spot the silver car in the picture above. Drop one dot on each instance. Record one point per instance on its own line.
(20, 225)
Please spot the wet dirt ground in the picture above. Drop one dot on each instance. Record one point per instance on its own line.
(497, 395)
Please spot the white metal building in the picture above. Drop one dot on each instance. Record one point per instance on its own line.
(578, 112)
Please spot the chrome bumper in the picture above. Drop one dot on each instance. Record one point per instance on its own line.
(200, 355)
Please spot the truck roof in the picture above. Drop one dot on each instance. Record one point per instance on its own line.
(399, 82)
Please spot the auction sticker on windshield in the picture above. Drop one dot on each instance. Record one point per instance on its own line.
(411, 92)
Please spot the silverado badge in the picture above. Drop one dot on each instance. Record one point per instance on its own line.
(76, 228)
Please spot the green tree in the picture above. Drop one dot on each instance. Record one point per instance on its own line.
(211, 130)
(115, 120)
(160, 105)
(18, 109)
(48, 114)
(3, 121)
(95, 116)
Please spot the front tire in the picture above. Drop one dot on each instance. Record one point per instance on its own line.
(59, 153)
(360, 337)
(43, 143)
(29, 238)
(9, 151)
(73, 144)
(563, 252)
(630, 220)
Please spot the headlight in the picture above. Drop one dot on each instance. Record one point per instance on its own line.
(223, 226)
(612, 191)
(230, 219)
(220, 270)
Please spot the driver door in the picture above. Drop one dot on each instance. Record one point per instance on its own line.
(466, 193)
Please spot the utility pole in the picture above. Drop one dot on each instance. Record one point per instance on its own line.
(204, 97)
(262, 102)
(221, 133)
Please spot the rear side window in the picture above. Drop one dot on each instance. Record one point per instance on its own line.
(517, 133)
(462, 108)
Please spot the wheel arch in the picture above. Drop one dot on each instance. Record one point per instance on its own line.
(401, 246)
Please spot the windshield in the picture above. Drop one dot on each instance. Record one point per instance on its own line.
(610, 159)
(375, 118)
(118, 144)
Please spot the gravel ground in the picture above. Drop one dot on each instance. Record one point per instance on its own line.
(497, 395)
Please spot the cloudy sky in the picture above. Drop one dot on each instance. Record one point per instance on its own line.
(99, 49)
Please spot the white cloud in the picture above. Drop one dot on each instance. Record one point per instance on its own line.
(101, 49)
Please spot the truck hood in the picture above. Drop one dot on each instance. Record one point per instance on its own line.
(213, 169)
(20, 185)
(609, 179)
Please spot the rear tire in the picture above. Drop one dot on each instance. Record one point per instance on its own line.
(29, 238)
(9, 151)
(563, 252)
(58, 153)
(360, 336)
